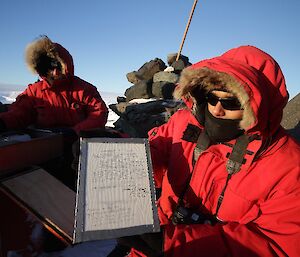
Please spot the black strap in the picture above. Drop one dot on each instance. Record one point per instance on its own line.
(234, 163)
(203, 143)
(236, 158)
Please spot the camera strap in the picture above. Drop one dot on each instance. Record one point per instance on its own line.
(234, 163)
(203, 142)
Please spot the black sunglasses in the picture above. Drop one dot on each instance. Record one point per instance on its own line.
(229, 103)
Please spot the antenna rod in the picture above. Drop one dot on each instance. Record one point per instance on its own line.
(186, 29)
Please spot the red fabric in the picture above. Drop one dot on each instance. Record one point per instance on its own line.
(269, 67)
(76, 104)
(261, 206)
(70, 102)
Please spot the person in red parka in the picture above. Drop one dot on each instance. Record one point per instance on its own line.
(60, 99)
(62, 103)
(227, 171)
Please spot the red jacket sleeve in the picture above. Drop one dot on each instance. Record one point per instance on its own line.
(96, 109)
(160, 139)
(21, 113)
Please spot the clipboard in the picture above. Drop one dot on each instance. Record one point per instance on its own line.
(115, 191)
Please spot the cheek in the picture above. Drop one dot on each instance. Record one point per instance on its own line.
(234, 115)
(210, 108)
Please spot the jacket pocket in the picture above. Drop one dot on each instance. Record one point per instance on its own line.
(235, 208)
(215, 190)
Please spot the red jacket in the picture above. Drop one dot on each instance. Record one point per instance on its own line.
(70, 102)
(261, 205)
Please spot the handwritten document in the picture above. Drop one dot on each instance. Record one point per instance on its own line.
(115, 195)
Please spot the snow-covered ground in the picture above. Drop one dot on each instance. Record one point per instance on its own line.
(7, 96)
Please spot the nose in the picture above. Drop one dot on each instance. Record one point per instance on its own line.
(218, 110)
(55, 72)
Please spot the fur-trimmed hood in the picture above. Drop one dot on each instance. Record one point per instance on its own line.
(266, 64)
(43, 46)
(261, 89)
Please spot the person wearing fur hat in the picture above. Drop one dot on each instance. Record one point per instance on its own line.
(227, 171)
(62, 103)
(60, 99)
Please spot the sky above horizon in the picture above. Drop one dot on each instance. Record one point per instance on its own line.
(109, 39)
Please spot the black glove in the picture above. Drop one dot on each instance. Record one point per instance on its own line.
(2, 126)
(150, 244)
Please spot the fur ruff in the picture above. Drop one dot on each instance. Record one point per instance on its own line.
(42, 46)
(208, 80)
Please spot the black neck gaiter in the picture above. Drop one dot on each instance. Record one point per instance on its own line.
(221, 130)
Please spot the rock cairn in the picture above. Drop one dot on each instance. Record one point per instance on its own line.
(149, 101)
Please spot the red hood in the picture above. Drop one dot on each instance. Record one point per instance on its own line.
(66, 58)
(253, 76)
(45, 47)
(263, 62)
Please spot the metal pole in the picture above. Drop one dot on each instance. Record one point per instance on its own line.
(186, 29)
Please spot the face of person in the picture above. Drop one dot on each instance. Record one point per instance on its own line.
(53, 75)
(224, 105)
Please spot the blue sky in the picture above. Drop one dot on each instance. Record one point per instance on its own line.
(108, 39)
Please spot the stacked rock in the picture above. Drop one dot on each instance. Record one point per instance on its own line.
(149, 101)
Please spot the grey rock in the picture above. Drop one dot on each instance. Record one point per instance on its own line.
(137, 128)
(122, 124)
(142, 89)
(137, 119)
(291, 117)
(133, 77)
(171, 58)
(178, 66)
(166, 77)
(121, 99)
(147, 71)
(119, 108)
(163, 89)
